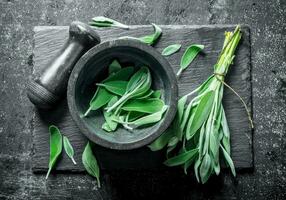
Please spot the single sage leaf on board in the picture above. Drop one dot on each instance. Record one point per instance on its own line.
(189, 55)
(90, 163)
(181, 158)
(148, 39)
(56, 145)
(171, 49)
(115, 87)
(114, 67)
(143, 105)
(102, 21)
(69, 149)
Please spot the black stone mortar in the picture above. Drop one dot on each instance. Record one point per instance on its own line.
(92, 68)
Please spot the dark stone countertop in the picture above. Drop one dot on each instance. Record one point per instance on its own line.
(267, 19)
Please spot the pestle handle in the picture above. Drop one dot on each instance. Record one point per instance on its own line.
(50, 87)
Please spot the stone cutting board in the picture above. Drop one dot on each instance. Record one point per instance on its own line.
(49, 39)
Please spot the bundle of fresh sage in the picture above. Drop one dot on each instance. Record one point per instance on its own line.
(200, 130)
(126, 98)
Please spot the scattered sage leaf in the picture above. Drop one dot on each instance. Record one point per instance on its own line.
(171, 49)
(90, 163)
(148, 39)
(188, 56)
(69, 149)
(102, 21)
(56, 145)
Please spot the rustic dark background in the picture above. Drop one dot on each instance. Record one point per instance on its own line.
(267, 20)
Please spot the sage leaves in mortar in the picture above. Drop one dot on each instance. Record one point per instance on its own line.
(101, 21)
(68, 149)
(199, 135)
(188, 56)
(56, 145)
(171, 49)
(131, 100)
(90, 163)
(148, 39)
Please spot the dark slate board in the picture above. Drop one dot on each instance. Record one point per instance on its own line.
(48, 40)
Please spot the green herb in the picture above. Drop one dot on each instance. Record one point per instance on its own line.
(100, 98)
(145, 105)
(115, 87)
(109, 124)
(55, 146)
(200, 126)
(114, 67)
(68, 149)
(148, 39)
(148, 119)
(189, 55)
(156, 94)
(138, 84)
(101, 21)
(90, 163)
(121, 75)
(171, 49)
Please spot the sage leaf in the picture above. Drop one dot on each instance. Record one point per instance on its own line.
(100, 98)
(146, 95)
(196, 169)
(156, 94)
(161, 141)
(139, 83)
(149, 119)
(114, 67)
(109, 124)
(148, 39)
(68, 149)
(205, 168)
(102, 21)
(121, 75)
(143, 105)
(171, 49)
(228, 160)
(201, 113)
(90, 163)
(115, 87)
(188, 56)
(131, 116)
(181, 158)
(56, 145)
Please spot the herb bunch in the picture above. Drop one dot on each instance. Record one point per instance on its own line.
(200, 130)
(126, 98)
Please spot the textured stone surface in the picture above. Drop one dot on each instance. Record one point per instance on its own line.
(267, 21)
